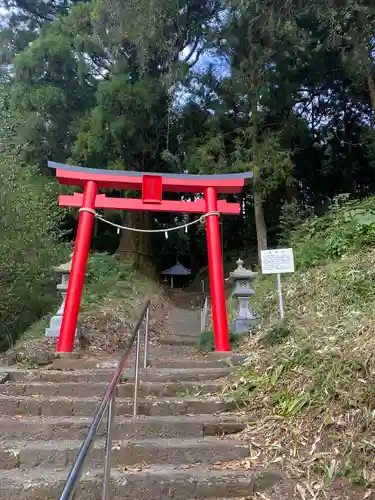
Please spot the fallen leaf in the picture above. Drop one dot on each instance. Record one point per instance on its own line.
(301, 491)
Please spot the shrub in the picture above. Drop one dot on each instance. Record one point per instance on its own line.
(106, 276)
(347, 227)
(292, 216)
(276, 335)
(29, 247)
(206, 341)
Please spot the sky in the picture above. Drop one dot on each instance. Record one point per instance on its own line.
(208, 58)
(3, 14)
(221, 66)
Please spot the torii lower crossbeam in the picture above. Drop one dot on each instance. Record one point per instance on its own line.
(152, 187)
(105, 202)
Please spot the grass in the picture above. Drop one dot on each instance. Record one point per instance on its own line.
(347, 227)
(36, 330)
(206, 341)
(311, 382)
(104, 273)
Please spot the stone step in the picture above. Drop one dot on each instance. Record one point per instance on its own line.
(164, 482)
(63, 406)
(95, 376)
(21, 428)
(166, 359)
(175, 451)
(179, 340)
(166, 362)
(172, 351)
(184, 362)
(183, 354)
(76, 389)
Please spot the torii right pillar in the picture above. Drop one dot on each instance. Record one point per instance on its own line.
(215, 265)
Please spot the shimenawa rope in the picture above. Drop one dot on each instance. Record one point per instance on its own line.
(201, 219)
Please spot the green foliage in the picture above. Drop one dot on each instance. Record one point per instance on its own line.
(106, 277)
(292, 216)
(108, 281)
(321, 360)
(29, 242)
(124, 125)
(29, 247)
(206, 341)
(270, 163)
(9, 124)
(290, 406)
(100, 84)
(141, 21)
(21, 21)
(349, 30)
(156, 30)
(276, 335)
(54, 82)
(299, 376)
(347, 227)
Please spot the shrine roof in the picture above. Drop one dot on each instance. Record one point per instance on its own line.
(123, 179)
(177, 270)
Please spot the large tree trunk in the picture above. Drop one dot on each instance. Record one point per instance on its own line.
(136, 247)
(260, 223)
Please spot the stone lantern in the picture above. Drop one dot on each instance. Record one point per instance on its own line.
(245, 318)
(63, 272)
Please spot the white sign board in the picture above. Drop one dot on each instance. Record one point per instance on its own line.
(277, 261)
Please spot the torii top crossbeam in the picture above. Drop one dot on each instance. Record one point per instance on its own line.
(121, 179)
(152, 187)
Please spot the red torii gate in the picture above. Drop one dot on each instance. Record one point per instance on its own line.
(152, 187)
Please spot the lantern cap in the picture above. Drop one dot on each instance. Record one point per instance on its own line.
(241, 272)
(64, 268)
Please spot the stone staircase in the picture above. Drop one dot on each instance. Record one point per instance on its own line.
(171, 450)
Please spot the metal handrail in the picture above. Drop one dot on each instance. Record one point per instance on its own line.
(108, 401)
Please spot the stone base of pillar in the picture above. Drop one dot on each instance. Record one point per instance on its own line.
(241, 326)
(53, 331)
(55, 323)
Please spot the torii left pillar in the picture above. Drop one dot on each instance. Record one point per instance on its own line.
(77, 274)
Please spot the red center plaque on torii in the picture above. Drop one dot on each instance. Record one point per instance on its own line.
(152, 188)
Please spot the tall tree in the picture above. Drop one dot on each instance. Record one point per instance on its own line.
(29, 243)
(21, 23)
(55, 80)
(246, 138)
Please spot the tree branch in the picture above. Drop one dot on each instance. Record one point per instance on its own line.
(193, 49)
(198, 54)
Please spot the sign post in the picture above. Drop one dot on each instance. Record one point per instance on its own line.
(278, 261)
(279, 291)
